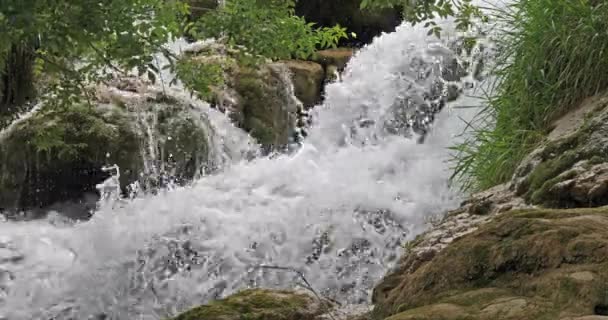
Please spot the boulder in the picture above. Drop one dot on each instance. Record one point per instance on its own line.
(260, 304)
(526, 264)
(366, 24)
(307, 78)
(57, 154)
(338, 57)
(570, 168)
(258, 96)
(264, 105)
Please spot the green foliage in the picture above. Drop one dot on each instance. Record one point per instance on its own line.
(266, 28)
(417, 11)
(553, 56)
(77, 132)
(202, 75)
(75, 40)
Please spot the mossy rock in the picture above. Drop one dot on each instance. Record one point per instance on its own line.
(259, 304)
(338, 57)
(57, 154)
(263, 107)
(533, 264)
(538, 178)
(183, 145)
(307, 78)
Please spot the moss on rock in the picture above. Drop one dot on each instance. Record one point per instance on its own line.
(258, 304)
(532, 264)
(553, 163)
(307, 78)
(183, 144)
(58, 153)
(263, 107)
(338, 57)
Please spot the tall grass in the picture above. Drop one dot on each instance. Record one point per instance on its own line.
(554, 54)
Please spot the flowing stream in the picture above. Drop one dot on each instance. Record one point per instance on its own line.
(337, 210)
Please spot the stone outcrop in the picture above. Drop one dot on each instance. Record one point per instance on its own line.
(259, 304)
(264, 105)
(569, 169)
(526, 264)
(58, 153)
(337, 58)
(307, 78)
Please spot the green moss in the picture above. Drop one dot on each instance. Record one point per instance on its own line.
(57, 153)
(518, 266)
(558, 157)
(261, 110)
(255, 305)
(184, 145)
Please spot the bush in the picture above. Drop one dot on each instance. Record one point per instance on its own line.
(553, 56)
(267, 28)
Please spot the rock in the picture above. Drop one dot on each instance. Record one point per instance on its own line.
(258, 97)
(57, 154)
(367, 24)
(527, 264)
(570, 169)
(259, 304)
(338, 57)
(307, 78)
(582, 276)
(264, 104)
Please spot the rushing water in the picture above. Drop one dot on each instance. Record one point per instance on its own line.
(336, 210)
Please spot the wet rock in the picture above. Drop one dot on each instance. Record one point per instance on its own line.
(569, 169)
(264, 104)
(259, 304)
(57, 155)
(338, 57)
(307, 78)
(525, 264)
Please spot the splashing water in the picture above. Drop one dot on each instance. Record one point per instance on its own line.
(336, 210)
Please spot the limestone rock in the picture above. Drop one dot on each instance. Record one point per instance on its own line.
(259, 304)
(264, 105)
(57, 154)
(527, 264)
(569, 169)
(307, 78)
(258, 97)
(338, 57)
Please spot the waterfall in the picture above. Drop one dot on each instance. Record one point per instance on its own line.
(337, 210)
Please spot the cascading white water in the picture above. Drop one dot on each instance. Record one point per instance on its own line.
(336, 210)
